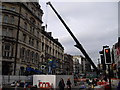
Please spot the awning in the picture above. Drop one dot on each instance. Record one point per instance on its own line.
(37, 71)
(28, 69)
(31, 69)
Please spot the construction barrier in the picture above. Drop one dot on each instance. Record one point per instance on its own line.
(48, 85)
(40, 84)
(102, 83)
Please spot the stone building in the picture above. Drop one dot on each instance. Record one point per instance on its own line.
(81, 65)
(77, 64)
(26, 46)
(86, 65)
(67, 64)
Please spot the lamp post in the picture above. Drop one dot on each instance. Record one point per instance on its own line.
(17, 37)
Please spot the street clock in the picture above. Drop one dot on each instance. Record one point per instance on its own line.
(43, 67)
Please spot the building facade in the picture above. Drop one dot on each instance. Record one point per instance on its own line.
(86, 66)
(81, 65)
(77, 64)
(67, 64)
(26, 46)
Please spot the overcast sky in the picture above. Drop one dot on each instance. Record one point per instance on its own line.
(93, 23)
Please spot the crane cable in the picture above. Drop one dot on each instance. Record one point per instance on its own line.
(46, 17)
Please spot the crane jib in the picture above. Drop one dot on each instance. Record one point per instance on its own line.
(78, 45)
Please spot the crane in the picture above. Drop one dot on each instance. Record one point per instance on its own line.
(78, 45)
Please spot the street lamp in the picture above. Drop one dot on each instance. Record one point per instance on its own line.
(99, 63)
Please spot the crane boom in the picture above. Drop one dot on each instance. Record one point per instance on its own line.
(78, 45)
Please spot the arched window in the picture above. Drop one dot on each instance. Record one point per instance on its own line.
(36, 58)
(28, 55)
(25, 25)
(42, 58)
(7, 32)
(12, 19)
(37, 44)
(24, 37)
(32, 57)
(5, 19)
(22, 53)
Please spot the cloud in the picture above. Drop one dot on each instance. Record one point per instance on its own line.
(79, 0)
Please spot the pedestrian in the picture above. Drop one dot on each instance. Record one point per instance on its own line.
(61, 84)
(68, 84)
(51, 86)
(118, 87)
(93, 81)
(96, 80)
(105, 78)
